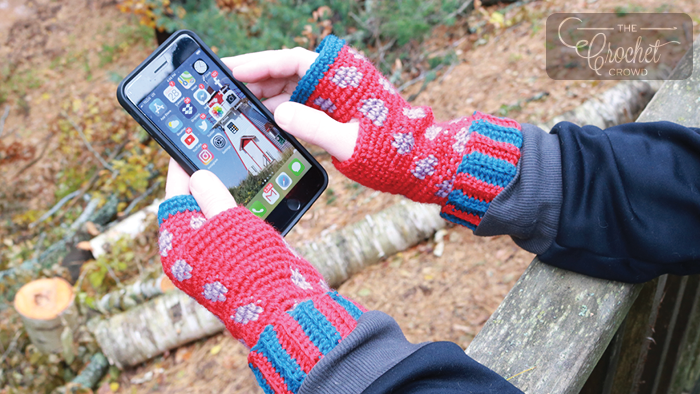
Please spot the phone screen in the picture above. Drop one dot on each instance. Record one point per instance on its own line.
(211, 121)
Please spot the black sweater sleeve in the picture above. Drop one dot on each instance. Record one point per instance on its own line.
(631, 201)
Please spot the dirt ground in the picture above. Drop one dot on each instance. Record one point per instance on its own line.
(432, 298)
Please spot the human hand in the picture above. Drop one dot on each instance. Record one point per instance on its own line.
(241, 269)
(274, 75)
(462, 165)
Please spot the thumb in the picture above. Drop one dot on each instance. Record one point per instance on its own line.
(211, 194)
(315, 127)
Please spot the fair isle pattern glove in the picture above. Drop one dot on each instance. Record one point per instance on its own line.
(461, 165)
(276, 303)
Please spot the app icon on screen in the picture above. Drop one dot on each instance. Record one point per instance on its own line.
(219, 141)
(258, 208)
(296, 167)
(205, 156)
(284, 181)
(174, 123)
(201, 125)
(172, 93)
(189, 139)
(186, 80)
(270, 194)
(201, 95)
(187, 108)
(216, 111)
(200, 66)
(157, 107)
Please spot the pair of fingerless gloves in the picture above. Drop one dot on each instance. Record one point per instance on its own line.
(272, 300)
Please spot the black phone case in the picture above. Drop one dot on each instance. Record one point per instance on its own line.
(185, 162)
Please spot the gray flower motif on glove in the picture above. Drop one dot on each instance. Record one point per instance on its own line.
(165, 242)
(347, 76)
(461, 139)
(375, 110)
(425, 167)
(247, 313)
(299, 280)
(403, 143)
(181, 270)
(325, 104)
(215, 291)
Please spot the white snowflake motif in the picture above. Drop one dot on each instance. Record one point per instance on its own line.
(247, 313)
(299, 280)
(414, 113)
(215, 291)
(445, 187)
(356, 54)
(347, 76)
(432, 132)
(324, 285)
(456, 120)
(197, 221)
(181, 270)
(461, 138)
(387, 85)
(165, 242)
(375, 110)
(325, 104)
(425, 167)
(403, 143)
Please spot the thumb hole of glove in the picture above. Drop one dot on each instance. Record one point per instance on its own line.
(211, 194)
(315, 127)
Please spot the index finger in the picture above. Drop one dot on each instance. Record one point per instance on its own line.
(261, 66)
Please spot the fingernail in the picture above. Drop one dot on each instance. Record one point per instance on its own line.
(284, 115)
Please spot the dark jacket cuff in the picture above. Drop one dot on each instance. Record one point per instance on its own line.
(375, 346)
(528, 209)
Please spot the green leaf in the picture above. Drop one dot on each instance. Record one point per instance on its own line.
(97, 277)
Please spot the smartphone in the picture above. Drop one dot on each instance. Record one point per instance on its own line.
(188, 101)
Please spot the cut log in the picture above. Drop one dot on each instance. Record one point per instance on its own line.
(133, 295)
(150, 329)
(131, 227)
(88, 378)
(342, 253)
(47, 309)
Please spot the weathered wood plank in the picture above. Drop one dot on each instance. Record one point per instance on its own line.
(541, 327)
(554, 324)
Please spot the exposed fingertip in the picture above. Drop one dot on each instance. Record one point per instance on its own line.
(211, 194)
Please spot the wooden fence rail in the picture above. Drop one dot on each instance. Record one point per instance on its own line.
(556, 328)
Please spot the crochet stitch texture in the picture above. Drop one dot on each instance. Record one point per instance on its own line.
(461, 165)
(273, 301)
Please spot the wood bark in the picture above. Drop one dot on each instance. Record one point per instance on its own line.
(133, 295)
(47, 310)
(342, 253)
(554, 325)
(150, 329)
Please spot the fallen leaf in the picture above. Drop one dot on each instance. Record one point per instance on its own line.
(114, 386)
(183, 354)
(215, 350)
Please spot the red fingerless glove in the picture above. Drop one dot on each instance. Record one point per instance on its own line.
(462, 165)
(239, 268)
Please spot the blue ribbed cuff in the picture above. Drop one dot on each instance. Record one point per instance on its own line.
(328, 51)
(463, 206)
(175, 205)
(320, 324)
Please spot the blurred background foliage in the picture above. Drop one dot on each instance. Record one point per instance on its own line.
(384, 30)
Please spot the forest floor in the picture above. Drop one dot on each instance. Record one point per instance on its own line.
(66, 56)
